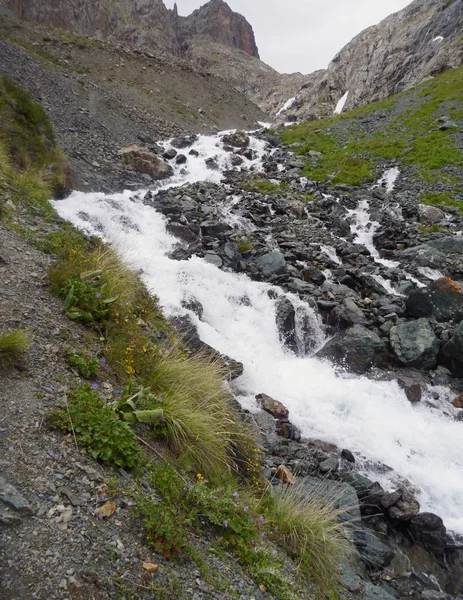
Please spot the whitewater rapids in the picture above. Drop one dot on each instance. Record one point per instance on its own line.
(420, 443)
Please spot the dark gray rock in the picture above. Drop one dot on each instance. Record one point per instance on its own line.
(357, 349)
(429, 530)
(183, 232)
(169, 154)
(184, 142)
(181, 159)
(286, 323)
(373, 552)
(271, 263)
(214, 259)
(411, 388)
(415, 344)
(452, 353)
(214, 228)
(442, 299)
(400, 505)
(313, 275)
(347, 314)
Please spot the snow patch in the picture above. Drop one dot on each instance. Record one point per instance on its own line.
(340, 105)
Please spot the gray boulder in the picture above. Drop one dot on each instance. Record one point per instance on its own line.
(271, 263)
(239, 139)
(375, 592)
(357, 349)
(452, 353)
(442, 299)
(430, 214)
(415, 344)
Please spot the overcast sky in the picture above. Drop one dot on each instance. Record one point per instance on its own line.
(303, 35)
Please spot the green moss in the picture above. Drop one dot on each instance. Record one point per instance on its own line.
(264, 186)
(441, 199)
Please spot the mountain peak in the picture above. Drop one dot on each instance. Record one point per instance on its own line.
(217, 21)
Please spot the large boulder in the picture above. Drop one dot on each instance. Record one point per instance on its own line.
(286, 323)
(348, 313)
(430, 214)
(452, 353)
(373, 552)
(140, 160)
(239, 139)
(415, 344)
(448, 244)
(429, 530)
(357, 349)
(271, 263)
(442, 299)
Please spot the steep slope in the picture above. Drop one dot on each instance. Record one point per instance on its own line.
(422, 40)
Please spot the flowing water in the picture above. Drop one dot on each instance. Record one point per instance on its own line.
(420, 443)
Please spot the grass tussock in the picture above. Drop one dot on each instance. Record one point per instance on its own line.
(311, 529)
(13, 346)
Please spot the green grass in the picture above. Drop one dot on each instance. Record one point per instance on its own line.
(13, 346)
(351, 156)
(264, 186)
(32, 167)
(310, 529)
(443, 199)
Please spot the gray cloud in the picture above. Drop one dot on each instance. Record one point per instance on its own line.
(304, 35)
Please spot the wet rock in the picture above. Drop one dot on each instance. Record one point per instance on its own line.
(214, 228)
(458, 401)
(169, 154)
(429, 530)
(140, 160)
(181, 159)
(347, 455)
(414, 344)
(411, 388)
(361, 484)
(183, 232)
(184, 142)
(288, 431)
(330, 465)
(236, 160)
(214, 259)
(271, 263)
(313, 275)
(239, 139)
(442, 299)
(273, 407)
(357, 349)
(211, 163)
(452, 352)
(400, 505)
(193, 305)
(286, 323)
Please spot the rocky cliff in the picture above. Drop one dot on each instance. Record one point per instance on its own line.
(217, 22)
(145, 23)
(422, 40)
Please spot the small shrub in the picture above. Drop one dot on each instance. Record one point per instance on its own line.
(96, 426)
(12, 346)
(86, 297)
(86, 365)
(245, 245)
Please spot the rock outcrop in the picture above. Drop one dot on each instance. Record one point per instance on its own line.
(217, 22)
(144, 23)
(420, 41)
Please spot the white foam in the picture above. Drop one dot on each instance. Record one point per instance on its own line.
(331, 253)
(287, 105)
(429, 273)
(421, 443)
(389, 178)
(340, 105)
